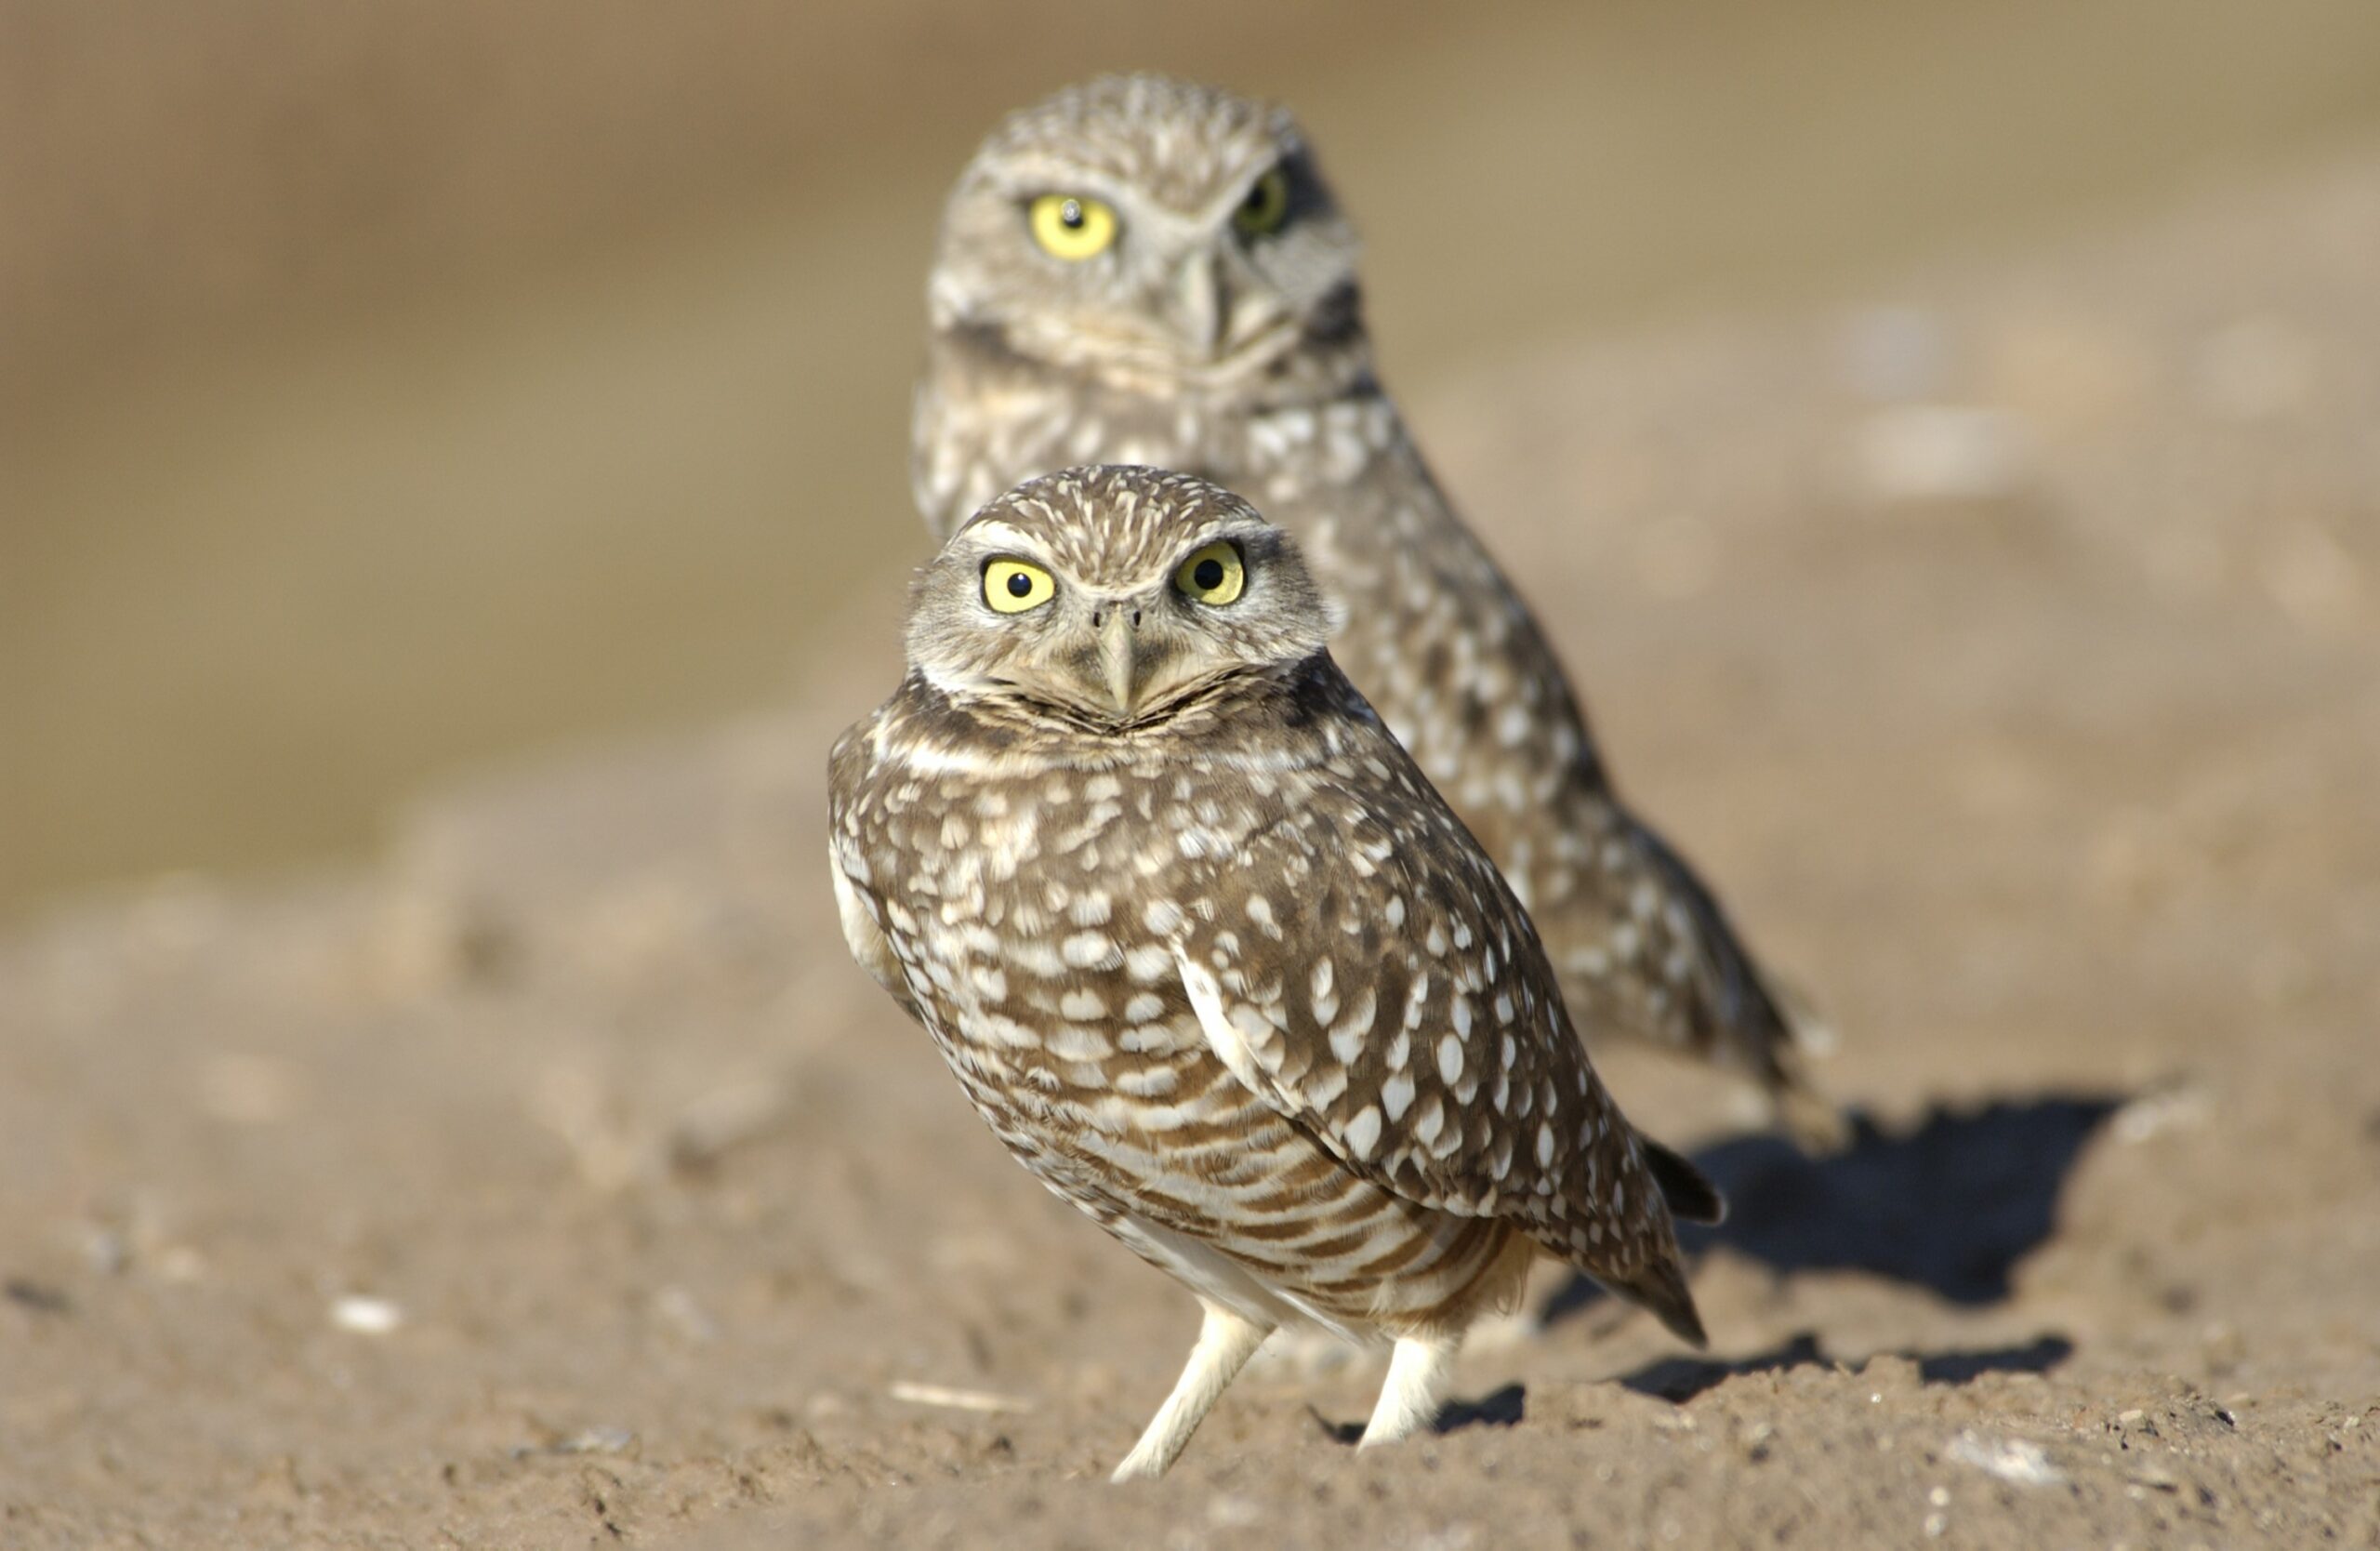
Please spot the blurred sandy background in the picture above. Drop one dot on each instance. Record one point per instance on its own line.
(385, 390)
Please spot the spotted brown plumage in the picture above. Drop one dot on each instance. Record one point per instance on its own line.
(1191, 341)
(1213, 958)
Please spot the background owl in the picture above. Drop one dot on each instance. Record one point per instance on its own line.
(1211, 955)
(1147, 272)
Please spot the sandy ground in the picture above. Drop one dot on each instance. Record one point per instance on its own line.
(2011, 656)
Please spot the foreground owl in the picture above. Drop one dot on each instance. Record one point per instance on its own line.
(1211, 957)
(1141, 271)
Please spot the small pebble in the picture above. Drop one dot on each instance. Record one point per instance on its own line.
(2254, 369)
(240, 1089)
(2173, 1109)
(180, 1265)
(1941, 452)
(366, 1315)
(2314, 578)
(724, 1120)
(951, 1398)
(598, 1440)
(1233, 1512)
(676, 1308)
(1892, 355)
(2011, 1459)
(105, 1250)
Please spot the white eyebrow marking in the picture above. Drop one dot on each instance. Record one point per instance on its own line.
(994, 531)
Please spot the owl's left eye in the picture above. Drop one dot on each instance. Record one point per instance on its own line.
(1073, 227)
(1213, 576)
(1014, 586)
(1266, 208)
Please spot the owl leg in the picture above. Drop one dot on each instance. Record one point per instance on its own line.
(1417, 1379)
(1225, 1343)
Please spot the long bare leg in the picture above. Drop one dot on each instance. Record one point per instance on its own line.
(1417, 1378)
(1225, 1343)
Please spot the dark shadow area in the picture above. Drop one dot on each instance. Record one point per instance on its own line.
(1504, 1408)
(1950, 1205)
(1681, 1379)
(2038, 1355)
(38, 1296)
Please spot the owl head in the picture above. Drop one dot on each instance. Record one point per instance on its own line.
(1149, 230)
(1112, 597)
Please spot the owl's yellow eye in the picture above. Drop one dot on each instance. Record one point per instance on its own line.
(1012, 586)
(1267, 205)
(1214, 575)
(1071, 227)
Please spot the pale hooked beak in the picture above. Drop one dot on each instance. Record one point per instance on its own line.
(1200, 307)
(1118, 639)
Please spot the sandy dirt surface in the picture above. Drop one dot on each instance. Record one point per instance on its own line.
(2010, 657)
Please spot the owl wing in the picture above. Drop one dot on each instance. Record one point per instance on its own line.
(865, 939)
(847, 864)
(1362, 967)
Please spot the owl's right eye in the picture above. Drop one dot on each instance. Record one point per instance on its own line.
(1213, 576)
(1013, 585)
(1071, 226)
(1266, 208)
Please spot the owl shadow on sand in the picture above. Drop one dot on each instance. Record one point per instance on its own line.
(1950, 1205)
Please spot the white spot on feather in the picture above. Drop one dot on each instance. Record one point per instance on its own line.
(1088, 950)
(1069, 1044)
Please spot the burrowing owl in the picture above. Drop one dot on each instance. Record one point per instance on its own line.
(1214, 959)
(1139, 271)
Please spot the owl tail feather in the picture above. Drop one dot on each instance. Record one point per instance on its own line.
(1660, 1289)
(1692, 1197)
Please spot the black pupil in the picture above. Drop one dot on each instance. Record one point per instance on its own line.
(1019, 584)
(1070, 213)
(1208, 574)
